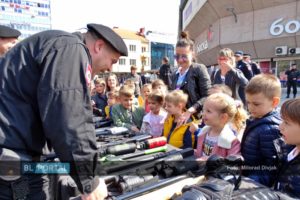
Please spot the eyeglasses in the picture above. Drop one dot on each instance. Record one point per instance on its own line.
(184, 57)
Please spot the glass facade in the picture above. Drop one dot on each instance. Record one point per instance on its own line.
(29, 17)
(160, 50)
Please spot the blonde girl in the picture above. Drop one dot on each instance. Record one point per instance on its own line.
(223, 119)
(143, 99)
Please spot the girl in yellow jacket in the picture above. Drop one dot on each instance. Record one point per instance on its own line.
(177, 135)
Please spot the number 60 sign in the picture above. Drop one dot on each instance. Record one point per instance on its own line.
(277, 28)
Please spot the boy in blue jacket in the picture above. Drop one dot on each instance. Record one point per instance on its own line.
(262, 96)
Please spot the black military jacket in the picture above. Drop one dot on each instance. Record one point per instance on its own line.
(44, 96)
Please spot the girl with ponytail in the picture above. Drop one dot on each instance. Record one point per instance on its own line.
(223, 118)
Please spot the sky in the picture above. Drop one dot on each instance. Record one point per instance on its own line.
(155, 15)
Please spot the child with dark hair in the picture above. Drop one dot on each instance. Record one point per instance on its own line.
(289, 175)
(153, 122)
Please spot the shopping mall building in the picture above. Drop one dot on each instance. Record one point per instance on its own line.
(269, 30)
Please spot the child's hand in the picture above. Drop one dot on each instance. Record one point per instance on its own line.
(202, 158)
(93, 103)
(135, 129)
(193, 127)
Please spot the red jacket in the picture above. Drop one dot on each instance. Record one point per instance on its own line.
(228, 143)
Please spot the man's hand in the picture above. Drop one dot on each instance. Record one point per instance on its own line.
(98, 194)
(186, 116)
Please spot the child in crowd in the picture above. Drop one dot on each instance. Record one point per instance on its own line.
(159, 85)
(112, 82)
(226, 90)
(218, 136)
(126, 114)
(289, 176)
(153, 122)
(130, 83)
(99, 100)
(222, 88)
(112, 99)
(262, 96)
(177, 135)
(143, 100)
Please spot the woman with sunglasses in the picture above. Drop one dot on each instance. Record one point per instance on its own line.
(229, 75)
(192, 78)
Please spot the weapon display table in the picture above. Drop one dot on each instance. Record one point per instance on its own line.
(168, 191)
(158, 169)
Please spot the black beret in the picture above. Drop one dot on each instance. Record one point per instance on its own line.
(246, 55)
(7, 32)
(109, 36)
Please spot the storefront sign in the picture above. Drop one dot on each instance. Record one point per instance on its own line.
(277, 28)
(202, 46)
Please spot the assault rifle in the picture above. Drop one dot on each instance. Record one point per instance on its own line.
(100, 122)
(111, 131)
(145, 173)
(109, 141)
(174, 171)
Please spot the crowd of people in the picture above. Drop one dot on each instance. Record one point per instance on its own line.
(47, 95)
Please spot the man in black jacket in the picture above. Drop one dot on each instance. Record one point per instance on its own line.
(292, 76)
(44, 95)
(8, 38)
(245, 68)
(242, 65)
(254, 66)
(165, 72)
